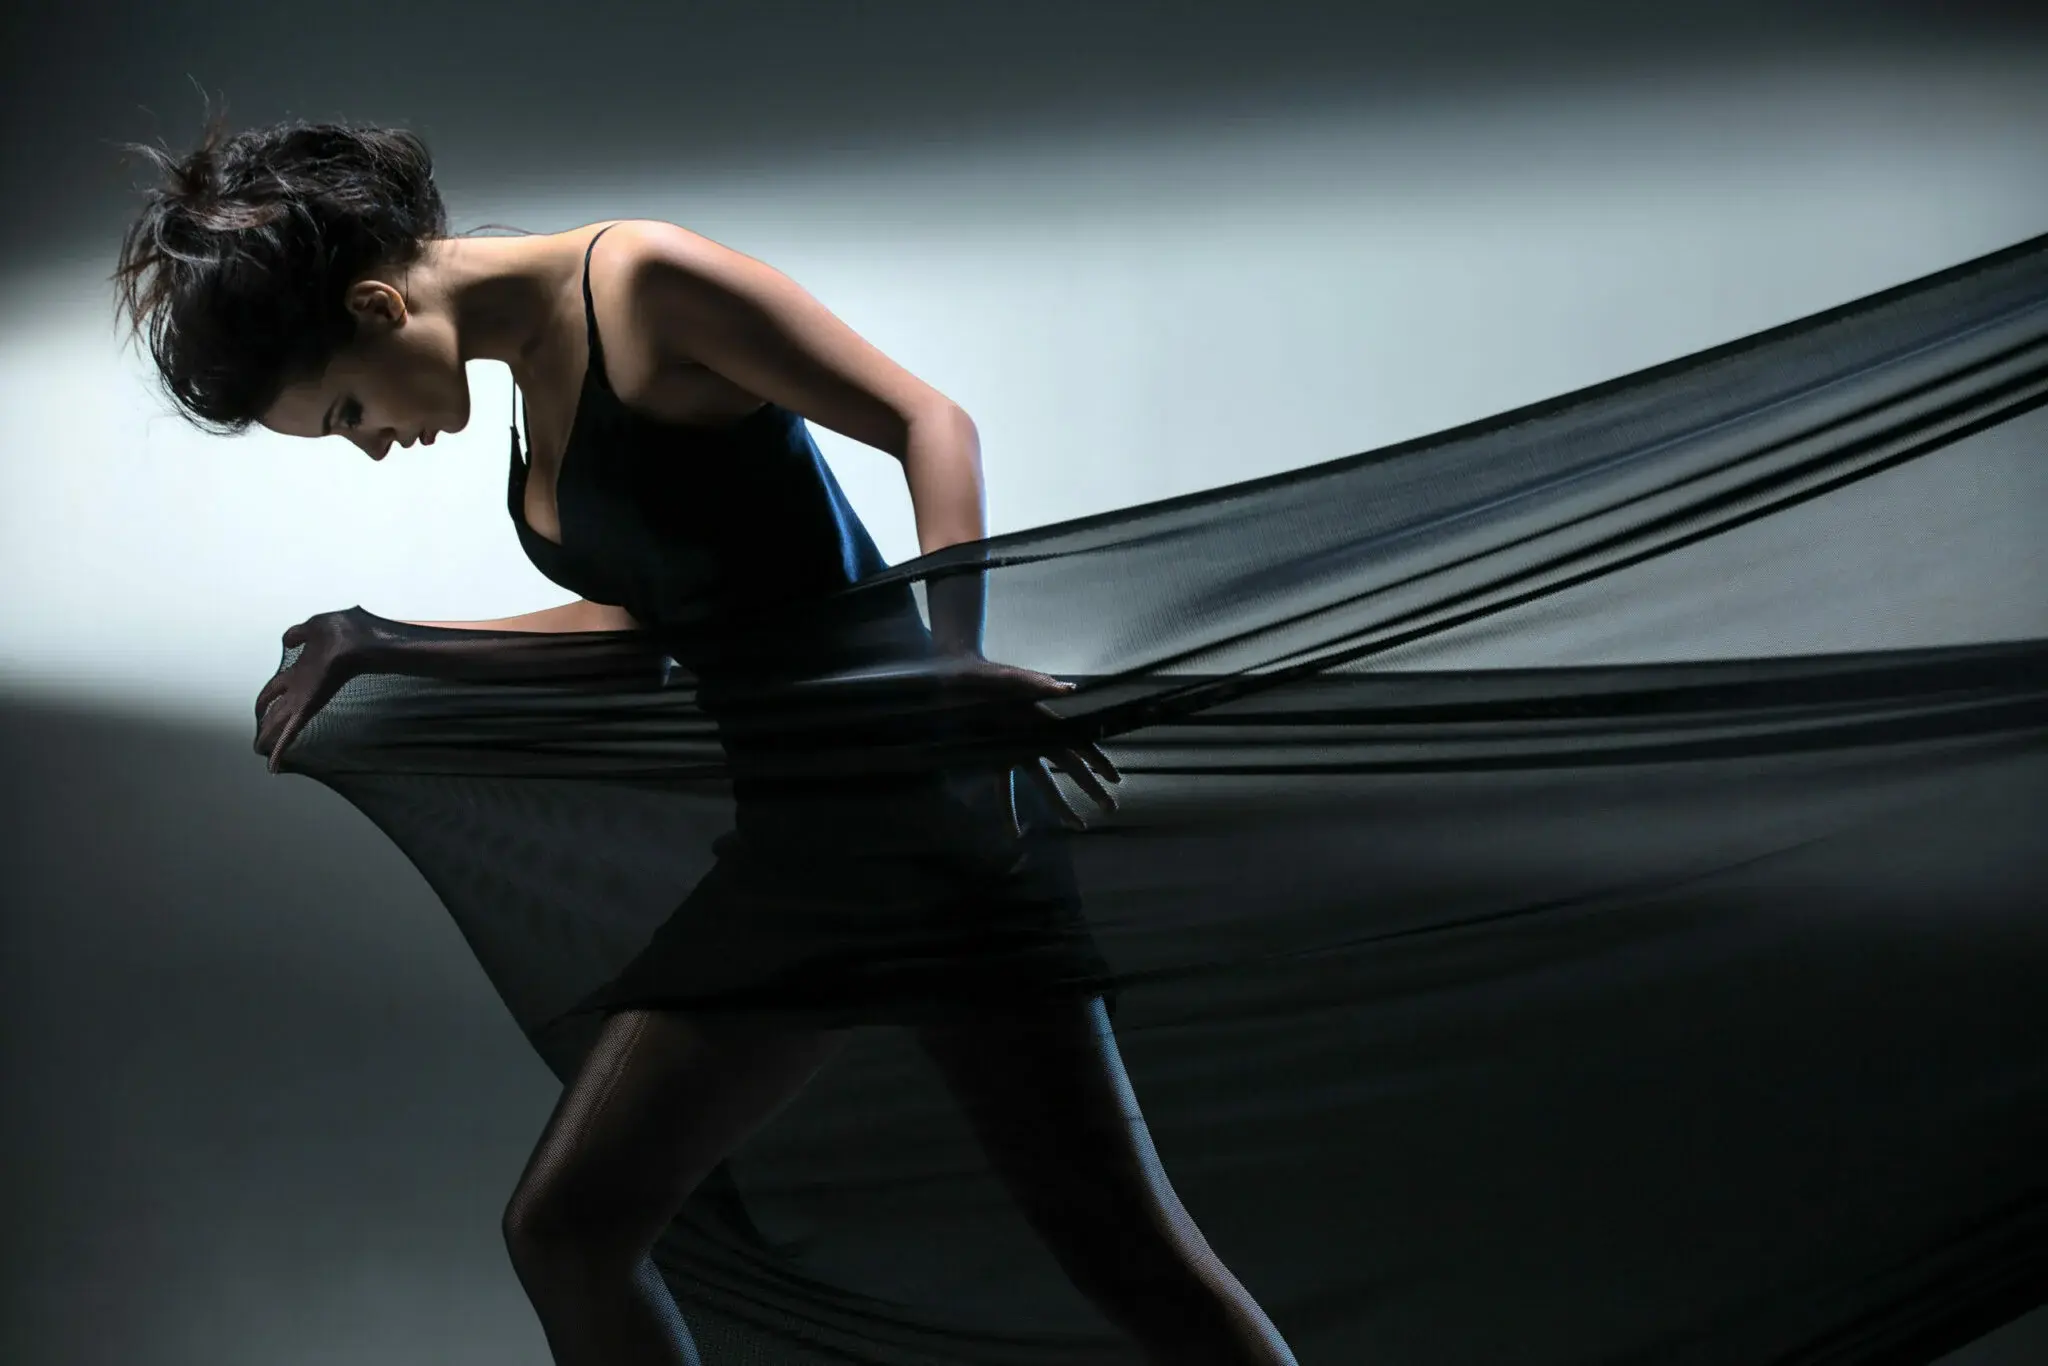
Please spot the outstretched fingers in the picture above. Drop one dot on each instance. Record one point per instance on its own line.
(1069, 817)
(275, 733)
(277, 748)
(1099, 760)
(271, 691)
(1077, 764)
(1071, 764)
(281, 680)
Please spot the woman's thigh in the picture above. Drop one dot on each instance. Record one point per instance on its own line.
(661, 1098)
(1045, 1091)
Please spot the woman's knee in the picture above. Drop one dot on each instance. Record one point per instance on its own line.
(656, 1104)
(548, 1224)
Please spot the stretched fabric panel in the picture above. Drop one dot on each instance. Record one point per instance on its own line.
(1578, 894)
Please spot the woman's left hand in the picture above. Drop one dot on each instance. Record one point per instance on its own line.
(1084, 762)
(336, 648)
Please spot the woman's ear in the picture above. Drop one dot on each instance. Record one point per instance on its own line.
(376, 301)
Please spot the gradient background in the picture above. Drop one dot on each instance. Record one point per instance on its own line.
(261, 1105)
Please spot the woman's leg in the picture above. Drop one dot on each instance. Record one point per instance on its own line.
(1045, 1090)
(659, 1101)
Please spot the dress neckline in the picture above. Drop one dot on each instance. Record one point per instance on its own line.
(523, 467)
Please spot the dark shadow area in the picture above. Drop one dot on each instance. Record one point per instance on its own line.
(539, 94)
(258, 1091)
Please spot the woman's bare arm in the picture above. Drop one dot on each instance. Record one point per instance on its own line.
(580, 615)
(579, 641)
(692, 300)
(579, 644)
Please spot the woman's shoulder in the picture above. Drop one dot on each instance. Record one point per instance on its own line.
(649, 329)
(715, 330)
(629, 241)
(616, 254)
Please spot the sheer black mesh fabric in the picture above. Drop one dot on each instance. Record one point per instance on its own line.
(1578, 895)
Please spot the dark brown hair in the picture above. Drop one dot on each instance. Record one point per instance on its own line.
(236, 269)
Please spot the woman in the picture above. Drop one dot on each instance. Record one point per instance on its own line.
(302, 276)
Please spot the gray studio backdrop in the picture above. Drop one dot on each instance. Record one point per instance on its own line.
(262, 1107)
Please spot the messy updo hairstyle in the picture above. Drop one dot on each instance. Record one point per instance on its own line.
(236, 269)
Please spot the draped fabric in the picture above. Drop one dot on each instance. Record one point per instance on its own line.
(1578, 894)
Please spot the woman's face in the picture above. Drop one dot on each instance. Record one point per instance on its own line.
(400, 381)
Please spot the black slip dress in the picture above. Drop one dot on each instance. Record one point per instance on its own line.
(859, 898)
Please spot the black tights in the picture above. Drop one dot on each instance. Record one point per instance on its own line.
(663, 1097)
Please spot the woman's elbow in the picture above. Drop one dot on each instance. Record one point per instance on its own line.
(943, 417)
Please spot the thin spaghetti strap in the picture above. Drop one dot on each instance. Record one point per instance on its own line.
(518, 448)
(594, 367)
(596, 363)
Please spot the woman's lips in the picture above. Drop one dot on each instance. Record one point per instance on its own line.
(423, 437)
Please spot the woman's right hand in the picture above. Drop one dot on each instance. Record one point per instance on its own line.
(1081, 760)
(335, 649)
